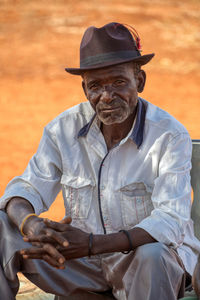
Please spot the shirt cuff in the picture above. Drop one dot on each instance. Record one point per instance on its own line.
(23, 192)
(168, 233)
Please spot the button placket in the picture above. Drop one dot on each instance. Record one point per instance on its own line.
(102, 194)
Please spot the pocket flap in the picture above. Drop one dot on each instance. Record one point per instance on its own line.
(75, 181)
(136, 189)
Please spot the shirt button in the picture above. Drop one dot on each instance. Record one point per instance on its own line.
(103, 187)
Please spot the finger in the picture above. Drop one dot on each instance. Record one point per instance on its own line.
(36, 244)
(38, 238)
(54, 253)
(39, 253)
(33, 256)
(46, 258)
(49, 237)
(58, 226)
(66, 220)
(57, 237)
(53, 262)
(32, 251)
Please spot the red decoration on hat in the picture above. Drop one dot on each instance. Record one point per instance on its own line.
(116, 25)
(135, 36)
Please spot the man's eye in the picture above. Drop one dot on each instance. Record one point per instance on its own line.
(94, 86)
(119, 82)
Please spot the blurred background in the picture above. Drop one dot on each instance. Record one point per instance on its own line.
(38, 39)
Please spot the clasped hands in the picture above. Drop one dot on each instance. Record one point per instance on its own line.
(54, 242)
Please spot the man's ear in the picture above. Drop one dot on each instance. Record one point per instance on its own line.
(84, 88)
(141, 81)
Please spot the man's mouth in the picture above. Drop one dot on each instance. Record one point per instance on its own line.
(109, 109)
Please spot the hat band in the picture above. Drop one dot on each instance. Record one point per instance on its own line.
(111, 56)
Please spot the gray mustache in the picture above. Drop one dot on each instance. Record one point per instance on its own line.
(113, 104)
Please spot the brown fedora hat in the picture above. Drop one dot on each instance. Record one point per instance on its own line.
(109, 45)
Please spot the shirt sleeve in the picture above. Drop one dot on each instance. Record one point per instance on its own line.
(40, 183)
(171, 195)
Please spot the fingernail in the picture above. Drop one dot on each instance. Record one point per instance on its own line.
(65, 244)
(61, 260)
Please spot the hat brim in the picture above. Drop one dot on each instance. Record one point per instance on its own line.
(143, 59)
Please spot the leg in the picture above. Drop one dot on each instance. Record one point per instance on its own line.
(151, 272)
(5, 291)
(80, 274)
(10, 242)
(156, 275)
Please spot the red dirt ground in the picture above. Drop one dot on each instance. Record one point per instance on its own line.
(39, 38)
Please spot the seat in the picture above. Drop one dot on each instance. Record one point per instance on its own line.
(195, 181)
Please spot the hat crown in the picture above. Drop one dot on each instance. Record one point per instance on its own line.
(112, 37)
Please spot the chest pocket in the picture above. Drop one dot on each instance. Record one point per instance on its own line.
(78, 194)
(136, 203)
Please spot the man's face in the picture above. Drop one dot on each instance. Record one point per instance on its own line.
(112, 92)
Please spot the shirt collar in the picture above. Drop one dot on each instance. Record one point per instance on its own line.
(138, 130)
(84, 130)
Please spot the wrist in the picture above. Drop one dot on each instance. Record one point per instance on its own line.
(108, 243)
(100, 244)
(29, 223)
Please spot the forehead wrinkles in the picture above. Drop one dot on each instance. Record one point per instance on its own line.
(106, 73)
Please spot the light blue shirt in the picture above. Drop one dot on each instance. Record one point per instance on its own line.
(143, 181)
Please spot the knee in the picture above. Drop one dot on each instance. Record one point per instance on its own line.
(3, 217)
(10, 238)
(152, 253)
(6, 224)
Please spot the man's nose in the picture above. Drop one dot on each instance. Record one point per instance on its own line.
(107, 94)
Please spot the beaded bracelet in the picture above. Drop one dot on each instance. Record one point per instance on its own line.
(24, 221)
(90, 244)
(129, 239)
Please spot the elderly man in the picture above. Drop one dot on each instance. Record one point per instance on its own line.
(124, 168)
